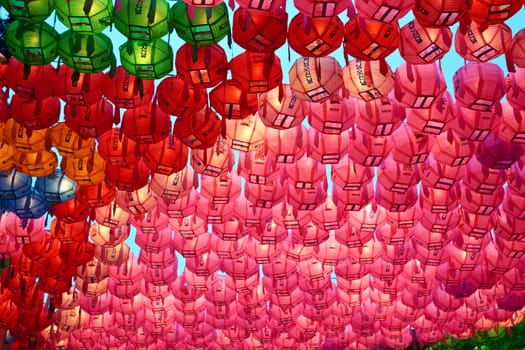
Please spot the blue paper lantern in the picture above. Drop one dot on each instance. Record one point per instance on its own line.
(31, 206)
(56, 187)
(14, 184)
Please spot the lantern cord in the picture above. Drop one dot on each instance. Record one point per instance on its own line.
(88, 4)
(152, 10)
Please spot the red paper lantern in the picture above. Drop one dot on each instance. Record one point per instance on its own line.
(231, 102)
(384, 11)
(201, 66)
(486, 12)
(35, 114)
(124, 90)
(30, 82)
(256, 72)
(320, 8)
(367, 39)
(260, 31)
(199, 131)
(166, 157)
(315, 36)
(146, 124)
(90, 120)
(422, 44)
(379, 117)
(440, 13)
(184, 104)
(516, 51)
(78, 88)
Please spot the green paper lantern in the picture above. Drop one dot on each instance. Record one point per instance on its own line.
(32, 11)
(208, 26)
(147, 59)
(86, 53)
(145, 20)
(85, 15)
(34, 44)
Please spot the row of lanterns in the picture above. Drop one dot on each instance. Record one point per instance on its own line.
(394, 216)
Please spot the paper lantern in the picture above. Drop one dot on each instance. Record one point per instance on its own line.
(421, 44)
(206, 26)
(147, 59)
(139, 20)
(181, 105)
(281, 113)
(475, 125)
(86, 53)
(14, 184)
(515, 50)
(200, 131)
(70, 144)
(124, 90)
(368, 150)
(89, 170)
(367, 39)
(201, 66)
(6, 156)
(146, 124)
(410, 89)
(89, 121)
(36, 11)
(70, 211)
(32, 205)
(489, 12)
(35, 114)
(285, 146)
(433, 120)
(315, 79)
(232, 102)
(439, 13)
(478, 85)
(320, 8)
(368, 80)
(511, 128)
(328, 148)
(24, 140)
(245, 134)
(483, 44)
(379, 117)
(384, 11)
(496, 153)
(96, 195)
(118, 149)
(128, 178)
(167, 156)
(40, 163)
(32, 82)
(56, 187)
(315, 36)
(332, 116)
(259, 31)
(92, 17)
(32, 43)
(515, 89)
(256, 72)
